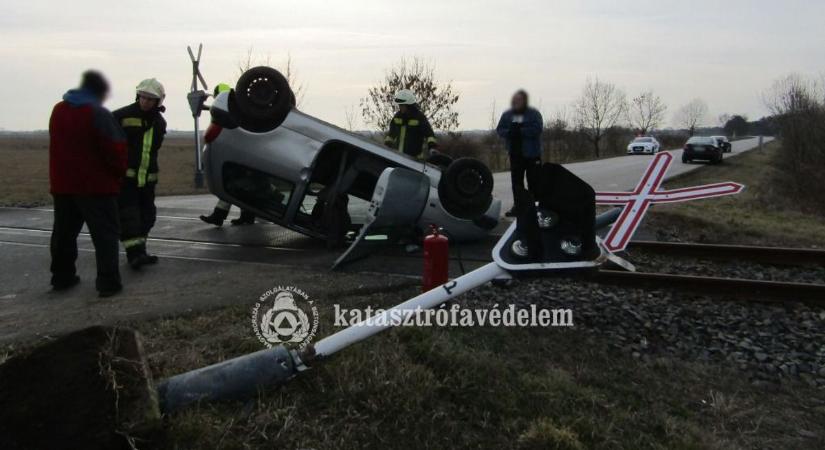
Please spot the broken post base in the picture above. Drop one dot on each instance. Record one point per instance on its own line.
(237, 378)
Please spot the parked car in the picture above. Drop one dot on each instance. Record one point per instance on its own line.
(305, 174)
(643, 145)
(724, 143)
(703, 148)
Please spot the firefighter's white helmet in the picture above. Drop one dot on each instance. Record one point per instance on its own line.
(405, 97)
(152, 88)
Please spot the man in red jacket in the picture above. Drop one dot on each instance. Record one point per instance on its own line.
(87, 160)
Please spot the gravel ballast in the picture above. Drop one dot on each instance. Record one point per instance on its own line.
(768, 342)
(659, 263)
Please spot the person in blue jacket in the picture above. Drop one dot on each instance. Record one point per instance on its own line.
(521, 128)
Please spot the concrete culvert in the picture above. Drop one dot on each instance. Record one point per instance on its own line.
(91, 389)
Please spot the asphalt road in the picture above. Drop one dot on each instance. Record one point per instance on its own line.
(618, 174)
(203, 267)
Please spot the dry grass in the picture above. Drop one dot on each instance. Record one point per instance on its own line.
(26, 169)
(478, 388)
(761, 215)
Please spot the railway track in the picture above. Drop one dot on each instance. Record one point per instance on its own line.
(768, 255)
(746, 289)
(741, 288)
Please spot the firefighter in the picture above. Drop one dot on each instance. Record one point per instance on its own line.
(221, 210)
(521, 128)
(145, 128)
(87, 159)
(409, 128)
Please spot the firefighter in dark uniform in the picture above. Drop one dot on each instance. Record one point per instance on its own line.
(145, 128)
(409, 129)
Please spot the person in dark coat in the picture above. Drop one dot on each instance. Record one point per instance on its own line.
(409, 129)
(521, 128)
(145, 129)
(87, 160)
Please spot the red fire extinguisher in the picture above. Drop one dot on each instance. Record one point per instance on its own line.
(436, 260)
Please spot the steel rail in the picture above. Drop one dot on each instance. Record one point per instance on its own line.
(745, 289)
(770, 255)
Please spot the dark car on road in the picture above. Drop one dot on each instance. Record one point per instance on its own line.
(703, 148)
(724, 143)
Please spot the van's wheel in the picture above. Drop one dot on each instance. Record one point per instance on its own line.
(466, 188)
(263, 99)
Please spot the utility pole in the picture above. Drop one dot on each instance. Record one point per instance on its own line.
(196, 98)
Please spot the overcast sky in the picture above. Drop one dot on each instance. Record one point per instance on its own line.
(726, 52)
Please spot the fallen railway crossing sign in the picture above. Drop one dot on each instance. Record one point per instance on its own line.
(648, 192)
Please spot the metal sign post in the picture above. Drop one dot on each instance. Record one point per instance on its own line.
(245, 375)
(196, 98)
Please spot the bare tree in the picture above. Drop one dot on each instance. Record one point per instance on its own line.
(496, 158)
(791, 100)
(493, 117)
(798, 106)
(646, 112)
(600, 107)
(723, 119)
(287, 69)
(691, 115)
(558, 123)
(436, 99)
(351, 117)
(793, 93)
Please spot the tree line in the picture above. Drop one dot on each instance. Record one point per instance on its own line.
(599, 123)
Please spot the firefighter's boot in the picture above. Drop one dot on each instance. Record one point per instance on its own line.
(217, 217)
(246, 218)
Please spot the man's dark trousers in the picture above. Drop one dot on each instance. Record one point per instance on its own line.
(521, 165)
(100, 214)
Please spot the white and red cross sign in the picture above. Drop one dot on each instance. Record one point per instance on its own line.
(648, 192)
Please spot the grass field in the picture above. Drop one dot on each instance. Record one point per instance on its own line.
(485, 387)
(26, 169)
(761, 215)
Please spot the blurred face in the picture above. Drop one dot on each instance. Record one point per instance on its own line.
(518, 103)
(403, 108)
(147, 103)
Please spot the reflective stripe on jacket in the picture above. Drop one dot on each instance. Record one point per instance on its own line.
(409, 132)
(144, 134)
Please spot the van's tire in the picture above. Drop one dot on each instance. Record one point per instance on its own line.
(263, 99)
(466, 188)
